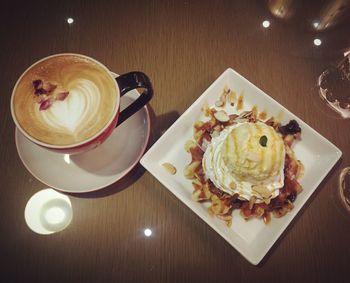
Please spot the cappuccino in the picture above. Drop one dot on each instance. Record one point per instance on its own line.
(65, 99)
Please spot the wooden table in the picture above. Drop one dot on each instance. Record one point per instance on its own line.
(183, 46)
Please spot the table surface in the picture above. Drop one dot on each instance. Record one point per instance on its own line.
(183, 46)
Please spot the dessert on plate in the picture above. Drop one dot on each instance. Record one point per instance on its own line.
(243, 161)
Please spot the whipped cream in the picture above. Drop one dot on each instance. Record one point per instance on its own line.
(216, 170)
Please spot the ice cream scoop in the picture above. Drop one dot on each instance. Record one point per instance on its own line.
(246, 158)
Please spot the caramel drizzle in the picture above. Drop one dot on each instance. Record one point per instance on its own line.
(262, 115)
(250, 144)
(274, 151)
(262, 149)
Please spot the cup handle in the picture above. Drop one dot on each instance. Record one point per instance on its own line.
(130, 81)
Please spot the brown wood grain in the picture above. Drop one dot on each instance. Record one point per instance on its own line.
(183, 46)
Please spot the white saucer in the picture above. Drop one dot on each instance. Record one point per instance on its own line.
(97, 168)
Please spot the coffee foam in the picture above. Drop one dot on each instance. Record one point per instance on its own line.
(82, 114)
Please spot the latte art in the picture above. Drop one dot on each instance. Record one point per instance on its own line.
(75, 112)
(83, 113)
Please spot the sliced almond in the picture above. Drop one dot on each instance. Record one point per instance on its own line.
(232, 98)
(170, 168)
(246, 114)
(198, 135)
(196, 195)
(226, 218)
(206, 110)
(301, 170)
(220, 103)
(212, 122)
(267, 217)
(289, 139)
(255, 111)
(189, 144)
(217, 207)
(273, 122)
(262, 190)
(197, 125)
(206, 191)
(221, 116)
(226, 89)
(259, 212)
(223, 97)
(251, 202)
(200, 195)
(210, 211)
(189, 169)
(262, 115)
(197, 185)
(233, 118)
(229, 222)
(240, 101)
(214, 198)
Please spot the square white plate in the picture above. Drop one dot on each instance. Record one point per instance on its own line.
(252, 238)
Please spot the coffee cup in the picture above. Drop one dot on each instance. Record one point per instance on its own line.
(70, 103)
